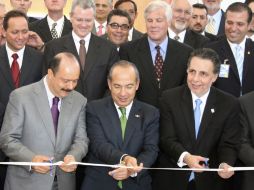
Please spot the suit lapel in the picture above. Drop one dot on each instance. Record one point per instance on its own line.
(27, 66)
(67, 27)
(209, 110)
(45, 30)
(227, 52)
(115, 127)
(44, 110)
(135, 119)
(188, 38)
(145, 59)
(92, 54)
(65, 110)
(5, 66)
(248, 58)
(188, 113)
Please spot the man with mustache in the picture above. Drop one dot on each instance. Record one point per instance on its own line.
(182, 11)
(45, 122)
(198, 20)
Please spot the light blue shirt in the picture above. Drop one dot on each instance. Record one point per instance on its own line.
(163, 49)
(217, 19)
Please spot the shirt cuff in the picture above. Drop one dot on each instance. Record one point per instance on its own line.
(180, 162)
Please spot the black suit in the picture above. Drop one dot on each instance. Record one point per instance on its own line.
(217, 138)
(211, 36)
(136, 34)
(106, 144)
(174, 67)
(41, 27)
(31, 71)
(246, 152)
(232, 84)
(195, 40)
(100, 56)
(32, 19)
(221, 30)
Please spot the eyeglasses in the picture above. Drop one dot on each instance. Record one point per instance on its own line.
(124, 27)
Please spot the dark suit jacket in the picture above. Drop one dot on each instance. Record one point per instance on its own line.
(232, 84)
(32, 19)
(174, 67)
(41, 27)
(211, 36)
(100, 56)
(136, 34)
(246, 151)
(195, 40)
(31, 71)
(221, 30)
(107, 146)
(217, 138)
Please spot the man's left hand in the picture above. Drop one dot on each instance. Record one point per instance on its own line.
(68, 168)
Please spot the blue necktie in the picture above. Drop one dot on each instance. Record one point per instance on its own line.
(197, 115)
(239, 61)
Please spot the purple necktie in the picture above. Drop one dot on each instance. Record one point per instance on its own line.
(55, 112)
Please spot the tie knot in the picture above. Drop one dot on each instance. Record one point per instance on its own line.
(123, 110)
(157, 48)
(100, 26)
(176, 37)
(211, 20)
(238, 48)
(82, 42)
(15, 56)
(198, 102)
(54, 25)
(55, 100)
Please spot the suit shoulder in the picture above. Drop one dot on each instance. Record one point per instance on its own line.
(224, 97)
(174, 92)
(181, 47)
(34, 51)
(146, 107)
(79, 97)
(249, 97)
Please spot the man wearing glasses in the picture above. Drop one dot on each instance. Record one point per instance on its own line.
(118, 27)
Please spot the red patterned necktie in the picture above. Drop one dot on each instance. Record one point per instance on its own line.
(99, 32)
(15, 70)
(158, 64)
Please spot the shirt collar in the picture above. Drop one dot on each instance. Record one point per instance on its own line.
(130, 34)
(216, 16)
(163, 45)
(128, 109)
(97, 24)
(20, 53)
(242, 44)
(181, 35)
(202, 98)
(76, 38)
(51, 21)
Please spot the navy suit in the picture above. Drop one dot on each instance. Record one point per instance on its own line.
(107, 146)
(217, 138)
(232, 84)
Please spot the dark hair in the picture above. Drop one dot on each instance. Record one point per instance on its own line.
(123, 63)
(208, 54)
(247, 2)
(13, 14)
(240, 7)
(200, 6)
(119, 2)
(118, 12)
(55, 62)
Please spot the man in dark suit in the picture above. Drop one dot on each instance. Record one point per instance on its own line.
(133, 142)
(199, 125)
(236, 52)
(154, 76)
(55, 24)
(24, 70)
(100, 54)
(216, 17)
(198, 20)
(178, 28)
(118, 26)
(246, 150)
(131, 8)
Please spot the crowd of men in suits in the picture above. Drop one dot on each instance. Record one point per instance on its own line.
(93, 88)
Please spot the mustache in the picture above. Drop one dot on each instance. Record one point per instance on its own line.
(198, 25)
(66, 90)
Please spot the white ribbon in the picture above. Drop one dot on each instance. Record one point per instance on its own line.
(122, 166)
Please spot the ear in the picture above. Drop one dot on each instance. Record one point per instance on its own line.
(109, 84)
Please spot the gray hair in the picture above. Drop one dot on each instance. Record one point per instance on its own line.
(123, 63)
(85, 4)
(154, 5)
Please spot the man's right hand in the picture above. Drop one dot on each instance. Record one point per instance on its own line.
(193, 161)
(41, 169)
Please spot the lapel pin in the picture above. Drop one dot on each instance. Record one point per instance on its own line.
(212, 110)
(137, 115)
(248, 52)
